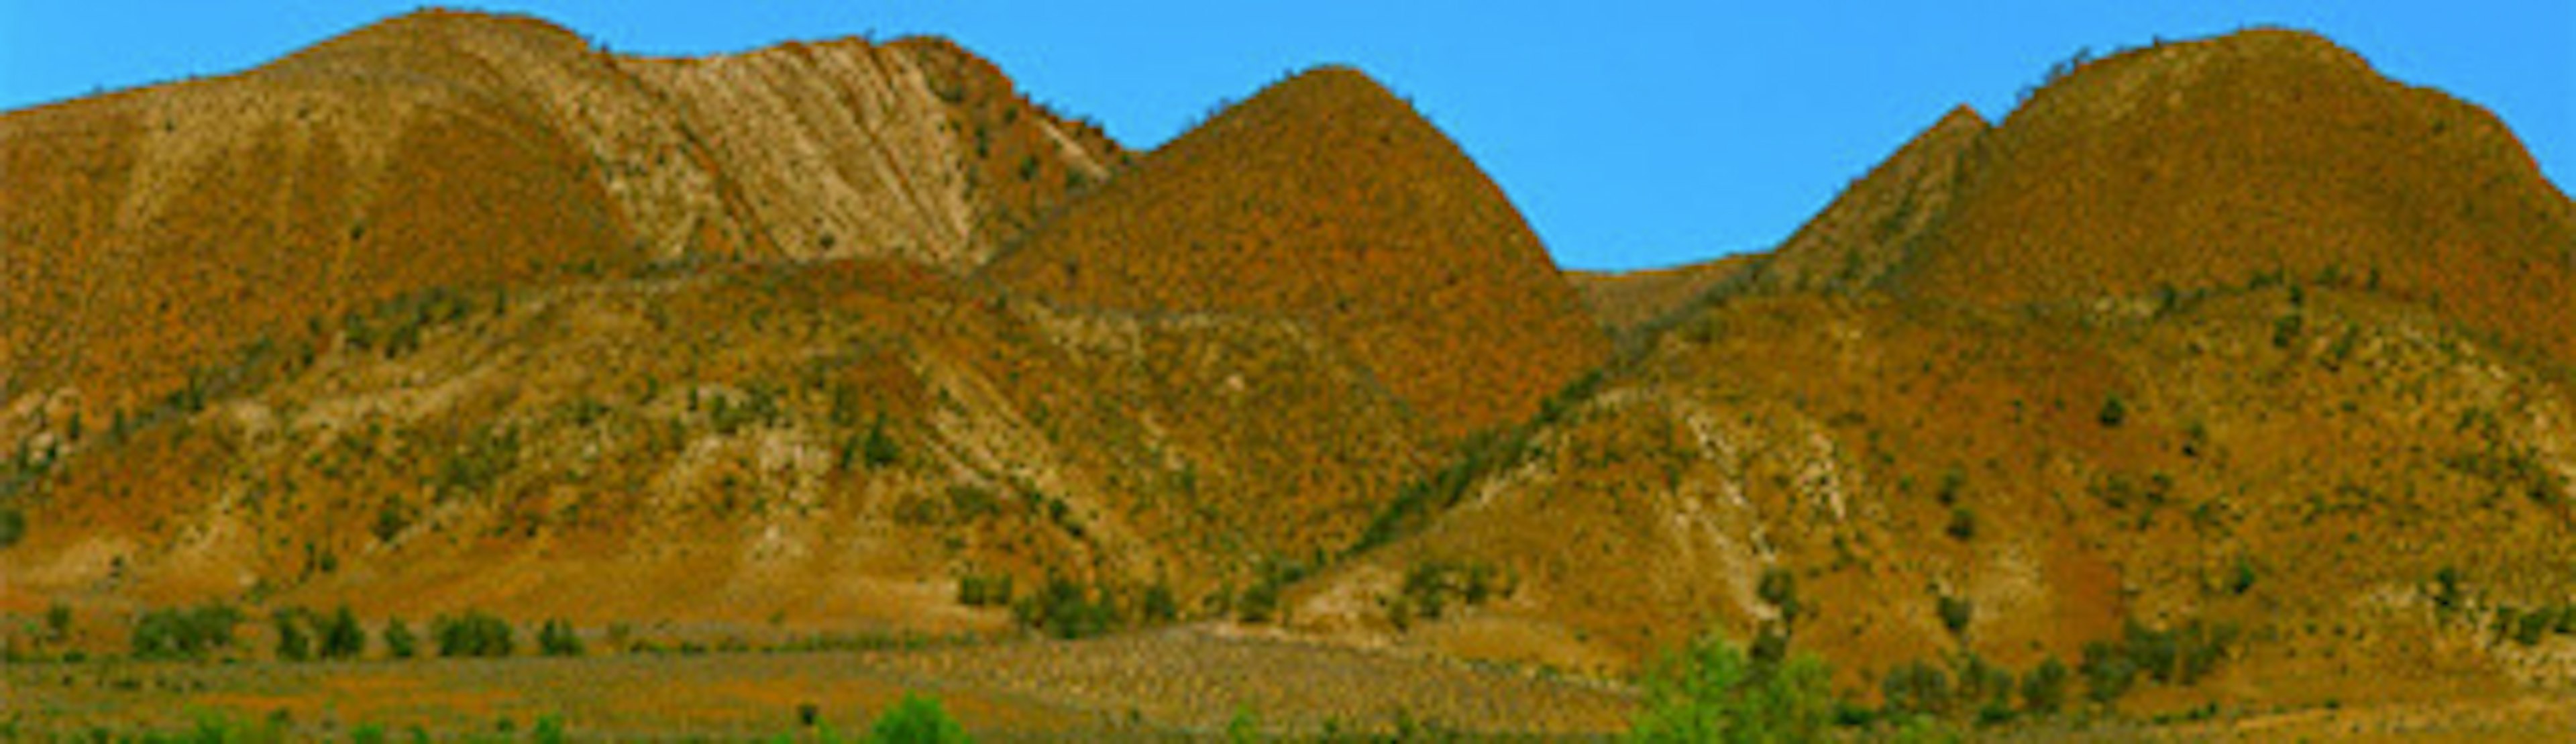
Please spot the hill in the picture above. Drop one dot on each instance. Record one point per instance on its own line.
(2263, 154)
(1327, 198)
(150, 232)
(1992, 443)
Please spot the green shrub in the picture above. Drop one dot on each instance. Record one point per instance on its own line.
(1243, 728)
(2114, 411)
(1963, 523)
(1710, 692)
(556, 638)
(1915, 688)
(2446, 589)
(1955, 613)
(1067, 610)
(878, 449)
(2043, 690)
(1159, 605)
(399, 642)
(1430, 587)
(980, 590)
(1260, 601)
(2241, 578)
(2533, 626)
(342, 637)
(2108, 672)
(58, 622)
(1779, 588)
(294, 639)
(474, 634)
(916, 720)
(184, 634)
(13, 525)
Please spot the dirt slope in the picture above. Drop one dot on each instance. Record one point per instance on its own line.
(1326, 198)
(2209, 163)
(149, 231)
(1624, 302)
(1873, 226)
(827, 445)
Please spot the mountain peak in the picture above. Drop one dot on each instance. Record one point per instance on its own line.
(2265, 153)
(1327, 197)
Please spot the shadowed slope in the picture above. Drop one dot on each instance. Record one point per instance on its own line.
(1328, 199)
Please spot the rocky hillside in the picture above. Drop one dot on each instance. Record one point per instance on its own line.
(770, 384)
(151, 231)
(1327, 198)
(2310, 481)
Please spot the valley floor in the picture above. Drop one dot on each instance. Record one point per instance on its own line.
(1189, 682)
(1186, 681)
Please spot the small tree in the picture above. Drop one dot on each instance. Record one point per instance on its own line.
(916, 720)
(1711, 692)
(342, 637)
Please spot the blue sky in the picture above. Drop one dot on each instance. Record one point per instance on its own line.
(1632, 134)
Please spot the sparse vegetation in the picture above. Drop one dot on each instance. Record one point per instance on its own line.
(1066, 609)
(984, 590)
(184, 633)
(1431, 587)
(472, 634)
(557, 638)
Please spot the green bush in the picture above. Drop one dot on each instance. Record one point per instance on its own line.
(1159, 604)
(399, 642)
(1710, 692)
(58, 622)
(1915, 688)
(556, 638)
(13, 525)
(1066, 609)
(1963, 523)
(184, 633)
(1430, 587)
(294, 637)
(2108, 672)
(2043, 690)
(878, 449)
(474, 634)
(2114, 411)
(981, 590)
(2446, 589)
(1955, 613)
(1779, 588)
(342, 637)
(917, 720)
